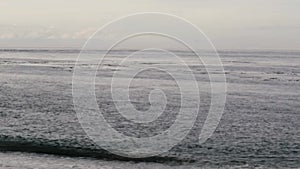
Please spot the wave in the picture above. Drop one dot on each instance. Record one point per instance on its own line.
(221, 52)
(60, 147)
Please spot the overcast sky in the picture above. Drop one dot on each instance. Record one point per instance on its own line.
(230, 24)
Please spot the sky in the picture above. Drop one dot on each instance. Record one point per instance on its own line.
(230, 24)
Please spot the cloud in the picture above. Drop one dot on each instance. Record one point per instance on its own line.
(81, 34)
(7, 36)
(13, 32)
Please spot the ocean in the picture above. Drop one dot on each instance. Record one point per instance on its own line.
(259, 128)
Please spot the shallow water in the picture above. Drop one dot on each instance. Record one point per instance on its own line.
(259, 128)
